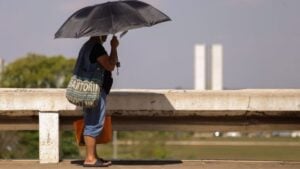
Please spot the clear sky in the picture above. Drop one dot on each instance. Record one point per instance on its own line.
(260, 40)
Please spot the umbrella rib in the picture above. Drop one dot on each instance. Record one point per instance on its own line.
(111, 16)
(137, 12)
(83, 28)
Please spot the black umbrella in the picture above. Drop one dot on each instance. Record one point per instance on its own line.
(110, 18)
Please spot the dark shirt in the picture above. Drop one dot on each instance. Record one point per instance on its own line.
(97, 52)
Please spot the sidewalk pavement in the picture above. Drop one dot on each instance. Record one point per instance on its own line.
(144, 164)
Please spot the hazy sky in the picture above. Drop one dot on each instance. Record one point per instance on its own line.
(260, 40)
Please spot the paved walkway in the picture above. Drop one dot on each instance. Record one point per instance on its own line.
(199, 164)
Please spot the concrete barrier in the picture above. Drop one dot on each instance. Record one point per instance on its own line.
(47, 110)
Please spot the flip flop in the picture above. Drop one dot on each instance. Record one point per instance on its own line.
(98, 163)
(105, 161)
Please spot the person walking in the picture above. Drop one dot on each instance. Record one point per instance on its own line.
(94, 117)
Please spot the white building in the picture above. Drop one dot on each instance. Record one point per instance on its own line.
(208, 68)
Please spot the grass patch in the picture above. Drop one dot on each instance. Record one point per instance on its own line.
(152, 146)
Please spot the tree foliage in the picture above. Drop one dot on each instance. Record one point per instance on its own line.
(38, 71)
(35, 71)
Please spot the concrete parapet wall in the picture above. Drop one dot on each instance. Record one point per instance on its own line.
(162, 100)
(162, 109)
(48, 111)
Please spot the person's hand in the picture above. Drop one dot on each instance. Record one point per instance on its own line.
(114, 43)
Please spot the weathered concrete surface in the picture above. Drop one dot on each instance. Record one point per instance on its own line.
(228, 110)
(49, 137)
(34, 100)
(200, 164)
(161, 100)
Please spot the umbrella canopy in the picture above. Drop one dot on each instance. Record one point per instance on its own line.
(110, 18)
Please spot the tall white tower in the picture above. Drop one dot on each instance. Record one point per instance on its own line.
(200, 68)
(208, 68)
(217, 67)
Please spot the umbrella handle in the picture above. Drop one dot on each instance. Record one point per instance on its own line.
(118, 64)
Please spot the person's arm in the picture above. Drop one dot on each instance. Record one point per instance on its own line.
(109, 62)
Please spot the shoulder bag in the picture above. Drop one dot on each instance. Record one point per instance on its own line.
(84, 88)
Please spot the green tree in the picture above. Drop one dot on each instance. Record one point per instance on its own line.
(35, 71)
(38, 71)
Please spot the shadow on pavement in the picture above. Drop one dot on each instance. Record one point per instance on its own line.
(136, 162)
(146, 162)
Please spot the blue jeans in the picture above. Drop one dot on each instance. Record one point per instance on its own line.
(94, 117)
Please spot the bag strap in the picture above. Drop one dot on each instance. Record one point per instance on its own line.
(83, 61)
(84, 68)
